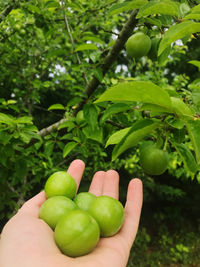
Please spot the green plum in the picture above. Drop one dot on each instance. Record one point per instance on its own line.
(60, 184)
(54, 208)
(138, 45)
(84, 199)
(109, 214)
(77, 233)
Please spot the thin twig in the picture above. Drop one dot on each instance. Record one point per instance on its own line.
(72, 40)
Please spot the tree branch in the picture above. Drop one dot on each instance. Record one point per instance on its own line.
(51, 128)
(108, 61)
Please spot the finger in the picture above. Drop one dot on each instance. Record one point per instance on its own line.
(111, 184)
(96, 186)
(32, 206)
(132, 211)
(76, 169)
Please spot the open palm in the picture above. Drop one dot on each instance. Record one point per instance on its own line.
(28, 241)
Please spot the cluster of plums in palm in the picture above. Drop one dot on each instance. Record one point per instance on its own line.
(78, 220)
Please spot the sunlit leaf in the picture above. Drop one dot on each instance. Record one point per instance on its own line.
(139, 91)
(176, 32)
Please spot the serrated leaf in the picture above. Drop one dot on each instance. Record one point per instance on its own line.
(68, 148)
(113, 109)
(187, 157)
(56, 106)
(86, 47)
(137, 91)
(181, 109)
(127, 6)
(137, 132)
(193, 127)
(117, 137)
(154, 7)
(176, 32)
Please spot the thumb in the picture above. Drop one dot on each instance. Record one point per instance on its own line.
(32, 206)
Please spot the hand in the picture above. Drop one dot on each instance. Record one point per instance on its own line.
(27, 241)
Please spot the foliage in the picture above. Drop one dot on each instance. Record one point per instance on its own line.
(62, 57)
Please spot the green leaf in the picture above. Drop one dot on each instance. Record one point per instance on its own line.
(184, 9)
(175, 122)
(163, 57)
(48, 148)
(95, 134)
(140, 91)
(195, 63)
(127, 6)
(137, 132)
(154, 7)
(5, 137)
(179, 135)
(9, 120)
(192, 16)
(187, 157)
(93, 38)
(193, 127)
(181, 109)
(154, 21)
(51, 3)
(67, 124)
(196, 9)
(98, 74)
(11, 102)
(83, 47)
(91, 115)
(154, 109)
(56, 106)
(113, 109)
(68, 148)
(24, 120)
(176, 32)
(25, 136)
(117, 136)
(68, 136)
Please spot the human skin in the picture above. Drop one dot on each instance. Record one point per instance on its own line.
(27, 241)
